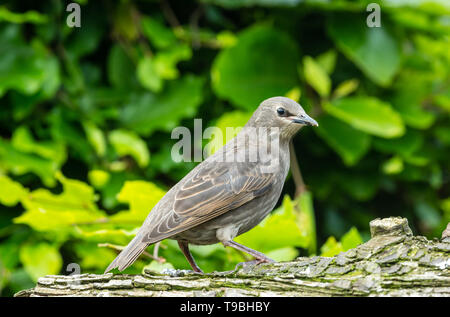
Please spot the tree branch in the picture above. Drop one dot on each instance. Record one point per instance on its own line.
(392, 263)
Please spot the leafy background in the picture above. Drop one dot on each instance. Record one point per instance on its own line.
(87, 113)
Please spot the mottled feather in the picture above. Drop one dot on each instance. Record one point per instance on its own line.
(213, 190)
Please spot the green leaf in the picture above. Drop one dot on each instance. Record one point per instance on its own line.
(152, 71)
(46, 211)
(166, 61)
(26, 17)
(142, 197)
(443, 101)
(327, 61)
(348, 241)
(294, 94)
(415, 116)
(128, 143)
(19, 163)
(421, 15)
(23, 141)
(233, 121)
(331, 247)
(12, 192)
(226, 39)
(95, 137)
(105, 233)
(351, 239)
(316, 76)
(374, 50)
(262, 64)
(158, 34)
(349, 143)
(367, 114)
(146, 113)
(98, 178)
(40, 259)
(50, 65)
(24, 67)
(412, 93)
(346, 88)
(393, 166)
(148, 75)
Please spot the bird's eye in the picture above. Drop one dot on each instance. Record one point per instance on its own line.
(281, 111)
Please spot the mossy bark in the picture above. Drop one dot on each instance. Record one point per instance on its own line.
(392, 263)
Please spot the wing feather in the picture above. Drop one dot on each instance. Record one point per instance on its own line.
(215, 189)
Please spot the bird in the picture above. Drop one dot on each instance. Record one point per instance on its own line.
(229, 192)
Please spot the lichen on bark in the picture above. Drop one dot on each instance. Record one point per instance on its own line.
(392, 263)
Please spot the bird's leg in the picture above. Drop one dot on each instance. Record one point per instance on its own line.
(259, 257)
(184, 246)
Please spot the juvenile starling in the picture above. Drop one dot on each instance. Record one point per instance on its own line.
(228, 193)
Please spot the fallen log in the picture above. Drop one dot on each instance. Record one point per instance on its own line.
(392, 263)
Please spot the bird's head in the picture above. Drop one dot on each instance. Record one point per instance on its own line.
(283, 113)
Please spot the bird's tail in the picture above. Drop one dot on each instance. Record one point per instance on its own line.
(128, 255)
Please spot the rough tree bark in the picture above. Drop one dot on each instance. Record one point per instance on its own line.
(392, 263)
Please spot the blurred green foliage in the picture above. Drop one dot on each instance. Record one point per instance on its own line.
(87, 113)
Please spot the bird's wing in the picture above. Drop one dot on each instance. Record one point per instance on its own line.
(213, 190)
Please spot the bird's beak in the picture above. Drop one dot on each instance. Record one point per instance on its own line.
(304, 119)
